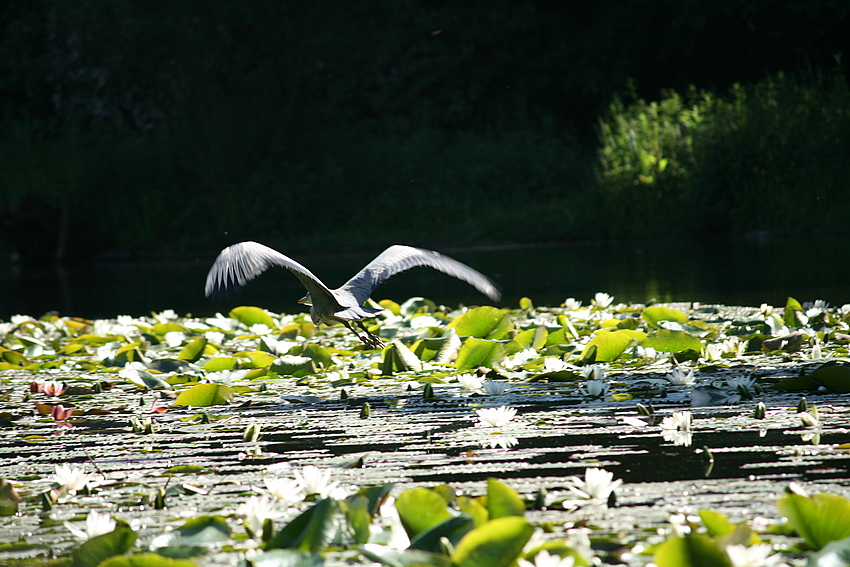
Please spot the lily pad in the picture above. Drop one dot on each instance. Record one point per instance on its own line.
(203, 395)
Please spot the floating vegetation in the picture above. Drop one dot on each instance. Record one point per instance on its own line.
(478, 436)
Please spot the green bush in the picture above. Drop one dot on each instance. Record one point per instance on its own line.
(771, 156)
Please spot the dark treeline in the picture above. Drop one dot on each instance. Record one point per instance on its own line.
(180, 125)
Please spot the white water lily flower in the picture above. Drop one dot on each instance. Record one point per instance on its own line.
(287, 490)
(470, 381)
(777, 326)
(602, 300)
(734, 346)
(496, 417)
(543, 559)
(492, 388)
(421, 321)
(315, 481)
(598, 484)
(97, 523)
(222, 322)
(712, 352)
(227, 376)
(260, 329)
(594, 389)
(572, 304)
(679, 420)
(552, 364)
(175, 338)
(759, 555)
(593, 372)
(215, 337)
(256, 510)
(679, 377)
(520, 358)
(73, 478)
(740, 383)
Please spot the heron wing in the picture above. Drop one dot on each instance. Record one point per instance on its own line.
(396, 259)
(238, 264)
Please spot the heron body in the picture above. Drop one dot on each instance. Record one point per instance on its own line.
(236, 265)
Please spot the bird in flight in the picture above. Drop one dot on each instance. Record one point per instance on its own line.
(236, 265)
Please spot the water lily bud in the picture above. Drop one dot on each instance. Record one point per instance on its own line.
(366, 411)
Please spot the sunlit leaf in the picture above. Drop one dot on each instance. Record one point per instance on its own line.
(146, 560)
(162, 329)
(421, 509)
(97, 549)
(193, 351)
(478, 352)
(473, 507)
(220, 363)
(715, 523)
(503, 500)
(792, 307)
(665, 340)
(692, 550)
(257, 358)
(480, 322)
(497, 543)
(183, 469)
(294, 365)
(657, 313)
(818, 519)
(610, 344)
(203, 395)
(250, 316)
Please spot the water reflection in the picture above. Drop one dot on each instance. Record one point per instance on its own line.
(746, 273)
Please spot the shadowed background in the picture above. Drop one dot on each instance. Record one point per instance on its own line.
(156, 130)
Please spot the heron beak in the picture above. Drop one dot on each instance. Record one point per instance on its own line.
(306, 300)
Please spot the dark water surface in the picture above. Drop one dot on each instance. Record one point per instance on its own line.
(739, 273)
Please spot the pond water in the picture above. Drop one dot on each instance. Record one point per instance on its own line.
(735, 273)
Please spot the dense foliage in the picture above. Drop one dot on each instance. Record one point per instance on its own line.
(154, 124)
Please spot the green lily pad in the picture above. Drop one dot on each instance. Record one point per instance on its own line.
(193, 351)
(421, 509)
(312, 530)
(818, 519)
(665, 340)
(99, 548)
(834, 377)
(503, 500)
(692, 550)
(654, 314)
(497, 543)
(611, 344)
(478, 352)
(250, 316)
(203, 395)
(146, 560)
(485, 321)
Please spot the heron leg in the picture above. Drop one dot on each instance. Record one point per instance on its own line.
(369, 339)
(374, 340)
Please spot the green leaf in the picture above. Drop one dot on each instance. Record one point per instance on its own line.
(611, 344)
(203, 395)
(664, 340)
(421, 509)
(716, 523)
(654, 314)
(497, 543)
(819, 519)
(798, 383)
(407, 558)
(833, 554)
(95, 550)
(833, 377)
(183, 469)
(249, 316)
(502, 500)
(259, 359)
(9, 498)
(220, 363)
(478, 352)
(480, 322)
(285, 558)
(312, 530)
(792, 306)
(145, 560)
(318, 354)
(692, 550)
(453, 529)
(204, 529)
(291, 365)
(473, 507)
(193, 351)
(358, 517)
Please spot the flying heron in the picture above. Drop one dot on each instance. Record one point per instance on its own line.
(238, 264)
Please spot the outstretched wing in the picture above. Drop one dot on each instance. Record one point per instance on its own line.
(399, 258)
(238, 264)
